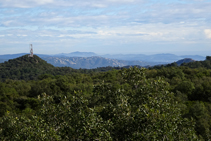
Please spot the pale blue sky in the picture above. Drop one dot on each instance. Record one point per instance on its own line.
(106, 26)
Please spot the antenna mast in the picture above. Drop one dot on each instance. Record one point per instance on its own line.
(31, 50)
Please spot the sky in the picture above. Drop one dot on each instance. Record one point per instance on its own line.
(181, 27)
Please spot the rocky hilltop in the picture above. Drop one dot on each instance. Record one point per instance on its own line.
(90, 62)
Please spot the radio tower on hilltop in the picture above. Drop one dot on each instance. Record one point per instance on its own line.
(31, 50)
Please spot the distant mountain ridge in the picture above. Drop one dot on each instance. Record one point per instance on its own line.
(76, 54)
(167, 58)
(90, 60)
(30, 68)
(186, 60)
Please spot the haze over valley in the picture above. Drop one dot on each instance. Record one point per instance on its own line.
(91, 60)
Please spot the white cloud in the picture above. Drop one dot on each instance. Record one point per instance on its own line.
(208, 33)
(107, 21)
(65, 3)
(22, 35)
(24, 3)
(95, 13)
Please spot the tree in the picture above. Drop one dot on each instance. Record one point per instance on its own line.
(138, 108)
(148, 112)
(71, 119)
(186, 87)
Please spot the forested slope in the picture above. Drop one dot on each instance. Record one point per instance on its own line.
(24, 68)
(29, 68)
(122, 104)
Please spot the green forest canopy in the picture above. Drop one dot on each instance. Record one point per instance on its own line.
(42, 102)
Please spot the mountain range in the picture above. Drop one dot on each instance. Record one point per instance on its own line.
(165, 58)
(91, 60)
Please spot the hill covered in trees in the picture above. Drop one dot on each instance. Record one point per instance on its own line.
(24, 68)
(29, 68)
(161, 103)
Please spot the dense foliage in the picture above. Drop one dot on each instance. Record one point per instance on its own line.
(144, 110)
(49, 103)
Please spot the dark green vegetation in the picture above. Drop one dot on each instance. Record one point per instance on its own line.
(25, 68)
(42, 102)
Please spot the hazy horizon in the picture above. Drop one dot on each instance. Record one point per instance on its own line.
(149, 53)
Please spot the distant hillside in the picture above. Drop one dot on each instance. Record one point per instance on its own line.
(128, 57)
(24, 61)
(76, 54)
(186, 60)
(198, 64)
(165, 58)
(24, 67)
(194, 57)
(91, 62)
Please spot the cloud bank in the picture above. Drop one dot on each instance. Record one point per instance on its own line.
(106, 25)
